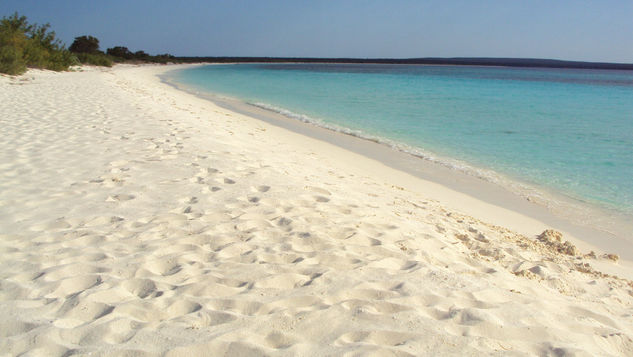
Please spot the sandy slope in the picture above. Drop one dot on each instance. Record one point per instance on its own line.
(137, 218)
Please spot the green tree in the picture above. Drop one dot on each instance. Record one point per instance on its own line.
(121, 52)
(87, 50)
(85, 44)
(141, 55)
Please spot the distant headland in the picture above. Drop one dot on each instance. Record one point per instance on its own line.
(454, 61)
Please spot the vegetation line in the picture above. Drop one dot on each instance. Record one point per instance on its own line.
(24, 45)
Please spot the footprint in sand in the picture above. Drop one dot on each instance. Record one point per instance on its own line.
(118, 170)
(283, 221)
(182, 307)
(388, 338)
(200, 180)
(140, 287)
(120, 197)
(278, 340)
(190, 200)
(163, 266)
(318, 190)
(85, 311)
(202, 174)
(118, 163)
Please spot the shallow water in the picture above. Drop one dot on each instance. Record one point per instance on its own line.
(570, 131)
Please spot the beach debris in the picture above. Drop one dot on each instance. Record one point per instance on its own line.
(482, 238)
(527, 274)
(494, 253)
(462, 237)
(550, 235)
(612, 256)
(283, 221)
(554, 240)
(585, 268)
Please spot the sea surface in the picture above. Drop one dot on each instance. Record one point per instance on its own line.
(568, 131)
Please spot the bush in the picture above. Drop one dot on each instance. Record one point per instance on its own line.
(86, 48)
(13, 40)
(61, 60)
(141, 55)
(97, 59)
(121, 52)
(23, 45)
(11, 61)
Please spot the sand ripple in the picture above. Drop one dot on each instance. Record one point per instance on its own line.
(139, 220)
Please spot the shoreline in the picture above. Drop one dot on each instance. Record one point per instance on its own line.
(588, 225)
(138, 219)
(431, 61)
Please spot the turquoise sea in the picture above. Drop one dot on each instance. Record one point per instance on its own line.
(566, 130)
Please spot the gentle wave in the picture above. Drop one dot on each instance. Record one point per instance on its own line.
(527, 191)
(524, 190)
(572, 207)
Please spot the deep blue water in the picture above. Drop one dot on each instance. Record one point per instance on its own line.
(562, 129)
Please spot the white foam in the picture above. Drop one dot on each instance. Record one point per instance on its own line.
(485, 174)
(569, 207)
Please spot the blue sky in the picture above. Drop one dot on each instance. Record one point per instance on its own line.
(600, 30)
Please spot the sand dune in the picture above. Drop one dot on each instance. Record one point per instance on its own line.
(139, 220)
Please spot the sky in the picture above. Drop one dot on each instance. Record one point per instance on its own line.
(584, 30)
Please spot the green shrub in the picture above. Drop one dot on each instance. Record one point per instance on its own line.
(24, 45)
(11, 61)
(61, 60)
(120, 53)
(97, 59)
(86, 48)
(13, 40)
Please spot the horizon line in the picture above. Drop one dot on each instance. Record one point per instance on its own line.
(477, 61)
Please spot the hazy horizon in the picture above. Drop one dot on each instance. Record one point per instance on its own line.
(589, 31)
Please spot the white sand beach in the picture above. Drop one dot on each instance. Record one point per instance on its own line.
(137, 219)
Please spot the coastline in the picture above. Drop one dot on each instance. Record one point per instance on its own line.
(139, 219)
(586, 225)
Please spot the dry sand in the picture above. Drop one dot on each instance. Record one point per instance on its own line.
(136, 219)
